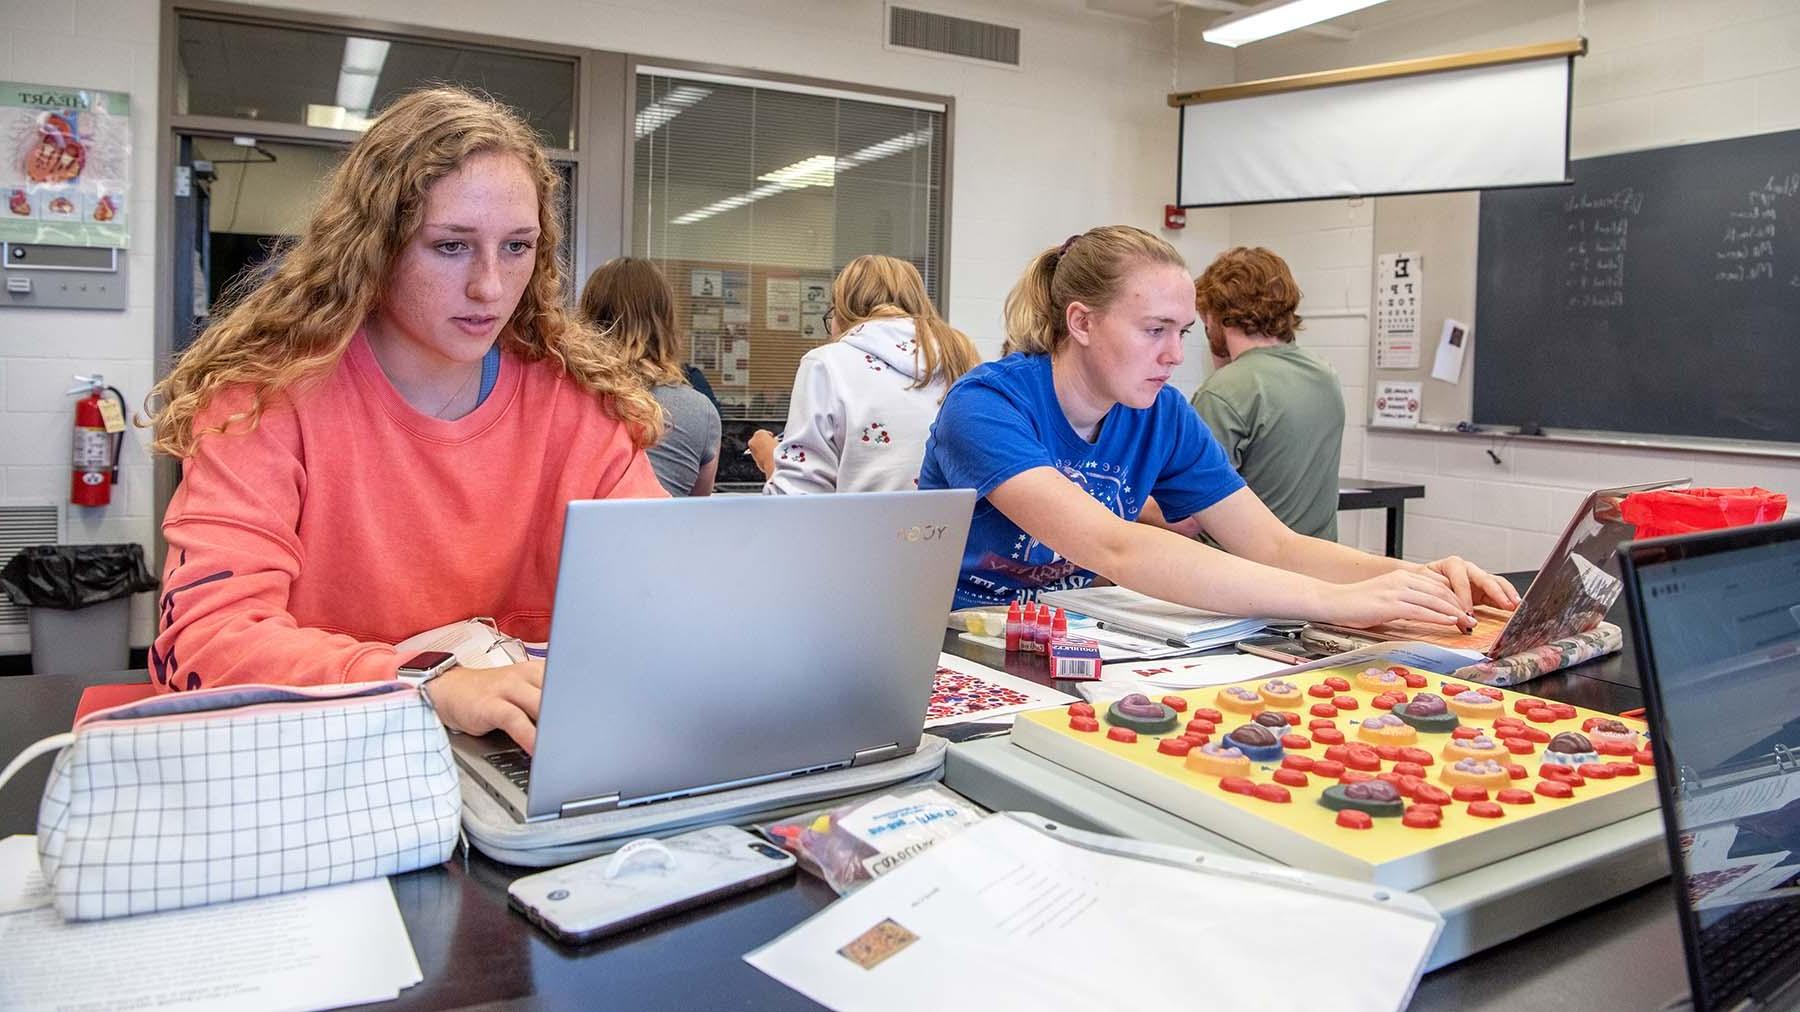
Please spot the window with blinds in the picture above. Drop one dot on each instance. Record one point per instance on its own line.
(751, 197)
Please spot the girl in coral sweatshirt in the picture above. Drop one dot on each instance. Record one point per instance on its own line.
(383, 435)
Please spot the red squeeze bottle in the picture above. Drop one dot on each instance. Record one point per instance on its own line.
(1059, 627)
(1042, 638)
(1028, 628)
(1012, 628)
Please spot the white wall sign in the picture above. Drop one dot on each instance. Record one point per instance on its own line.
(782, 307)
(1453, 344)
(1397, 404)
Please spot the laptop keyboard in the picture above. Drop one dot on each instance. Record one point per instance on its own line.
(1740, 948)
(514, 764)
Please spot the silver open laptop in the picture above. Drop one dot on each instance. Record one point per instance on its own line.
(702, 644)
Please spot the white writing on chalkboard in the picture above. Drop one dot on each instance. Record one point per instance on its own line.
(1597, 232)
(1746, 254)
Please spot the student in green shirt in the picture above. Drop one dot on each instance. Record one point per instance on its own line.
(1274, 406)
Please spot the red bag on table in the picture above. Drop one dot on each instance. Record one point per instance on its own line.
(1678, 511)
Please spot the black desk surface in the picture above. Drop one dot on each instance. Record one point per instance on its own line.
(1363, 493)
(475, 952)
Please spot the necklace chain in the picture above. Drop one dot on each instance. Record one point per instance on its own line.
(439, 413)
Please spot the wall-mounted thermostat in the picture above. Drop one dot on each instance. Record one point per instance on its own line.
(62, 277)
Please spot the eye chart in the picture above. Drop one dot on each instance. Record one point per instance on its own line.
(1399, 286)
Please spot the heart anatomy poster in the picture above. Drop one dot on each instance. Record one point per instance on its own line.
(65, 165)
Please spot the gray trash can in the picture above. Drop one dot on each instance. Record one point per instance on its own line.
(78, 641)
(79, 598)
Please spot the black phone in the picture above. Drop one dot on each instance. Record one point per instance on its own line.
(1280, 648)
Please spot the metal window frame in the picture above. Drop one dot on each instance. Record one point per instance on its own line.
(638, 63)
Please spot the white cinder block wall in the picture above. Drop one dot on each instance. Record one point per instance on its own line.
(108, 45)
(1080, 136)
(1659, 72)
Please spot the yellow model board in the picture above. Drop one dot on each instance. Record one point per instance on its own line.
(1326, 710)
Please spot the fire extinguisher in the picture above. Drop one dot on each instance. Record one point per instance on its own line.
(95, 460)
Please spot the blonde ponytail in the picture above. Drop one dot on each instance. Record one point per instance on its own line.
(1088, 268)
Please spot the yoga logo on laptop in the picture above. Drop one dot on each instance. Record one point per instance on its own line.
(922, 532)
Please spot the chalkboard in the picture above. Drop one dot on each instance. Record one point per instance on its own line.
(1658, 294)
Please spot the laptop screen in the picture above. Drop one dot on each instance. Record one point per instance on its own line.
(1718, 625)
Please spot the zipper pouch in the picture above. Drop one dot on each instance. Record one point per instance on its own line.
(224, 794)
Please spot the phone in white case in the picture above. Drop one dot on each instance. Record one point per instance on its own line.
(645, 880)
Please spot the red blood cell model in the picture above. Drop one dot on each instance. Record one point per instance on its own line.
(1175, 746)
(1296, 741)
(1555, 789)
(1323, 710)
(1124, 734)
(1084, 724)
(1292, 778)
(1273, 792)
(1349, 818)
(1297, 762)
(1486, 809)
(1338, 683)
(1327, 768)
(1343, 703)
(1418, 817)
(1176, 703)
(1515, 796)
(1236, 785)
(1328, 736)
(1432, 794)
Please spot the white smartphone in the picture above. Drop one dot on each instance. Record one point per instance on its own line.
(646, 880)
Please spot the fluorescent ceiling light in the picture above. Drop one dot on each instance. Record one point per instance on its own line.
(816, 170)
(657, 114)
(359, 73)
(1276, 17)
(819, 170)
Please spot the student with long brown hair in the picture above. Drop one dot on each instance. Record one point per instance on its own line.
(1067, 439)
(383, 436)
(863, 402)
(630, 302)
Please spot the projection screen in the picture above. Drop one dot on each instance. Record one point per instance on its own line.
(1472, 128)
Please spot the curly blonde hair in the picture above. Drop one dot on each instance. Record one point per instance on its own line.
(293, 325)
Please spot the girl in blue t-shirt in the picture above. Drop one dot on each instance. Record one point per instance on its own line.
(1069, 436)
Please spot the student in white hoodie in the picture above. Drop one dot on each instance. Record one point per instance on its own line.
(864, 402)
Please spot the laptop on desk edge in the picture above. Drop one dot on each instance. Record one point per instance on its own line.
(702, 644)
(1558, 602)
(1715, 621)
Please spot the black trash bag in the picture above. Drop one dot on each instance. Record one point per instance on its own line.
(75, 576)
